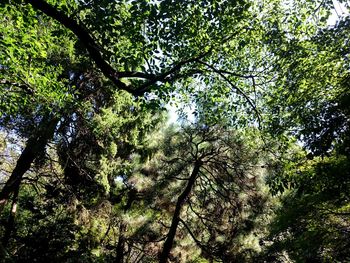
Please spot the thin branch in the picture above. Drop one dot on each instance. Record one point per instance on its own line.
(233, 86)
(201, 217)
(136, 74)
(163, 77)
(235, 74)
(25, 87)
(192, 235)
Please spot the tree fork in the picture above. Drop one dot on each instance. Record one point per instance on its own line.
(96, 55)
(168, 244)
(35, 145)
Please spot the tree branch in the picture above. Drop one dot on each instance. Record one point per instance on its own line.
(136, 74)
(25, 87)
(233, 86)
(163, 77)
(192, 235)
(95, 54)
(86, 39)
(235, 74)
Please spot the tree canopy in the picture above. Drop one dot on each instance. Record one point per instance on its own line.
(92, 171)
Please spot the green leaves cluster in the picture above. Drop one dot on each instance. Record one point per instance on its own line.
(36, 55)
(112, 176)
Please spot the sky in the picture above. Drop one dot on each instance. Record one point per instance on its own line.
(338, 11)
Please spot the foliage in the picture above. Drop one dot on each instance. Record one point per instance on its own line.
(224, 201)
(31, 74)
(313, 220)
(83, 87)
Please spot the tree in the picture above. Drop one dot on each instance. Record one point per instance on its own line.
(67, 67)
(51, 67)
(199, 194)
(313, 107)
(221, 195)
(74, 186)
(31, 73)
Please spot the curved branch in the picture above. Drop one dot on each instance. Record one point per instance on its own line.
(233, 86)
(85, 38)
(136, 74)
(95, 54)
(192, 235)
(164, 76)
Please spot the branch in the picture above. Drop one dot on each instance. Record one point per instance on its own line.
(25, 87)
(136, 74)
(95, 54)
(85, 38)
(192, 235)
(235, 74)
(163, 77)
(233, 86)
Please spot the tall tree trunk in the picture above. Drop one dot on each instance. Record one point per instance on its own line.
(35, 145)
(168, 244)
(11, 220)
(121, 243)
(123, 228)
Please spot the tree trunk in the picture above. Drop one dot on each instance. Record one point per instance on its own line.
(35, 145)
(121, 243)
(168, 244)
(11, 220)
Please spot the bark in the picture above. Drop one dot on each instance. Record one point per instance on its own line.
(11, 220)
(121, 243)
(35, 145)
(123, 228)
(168, 244)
